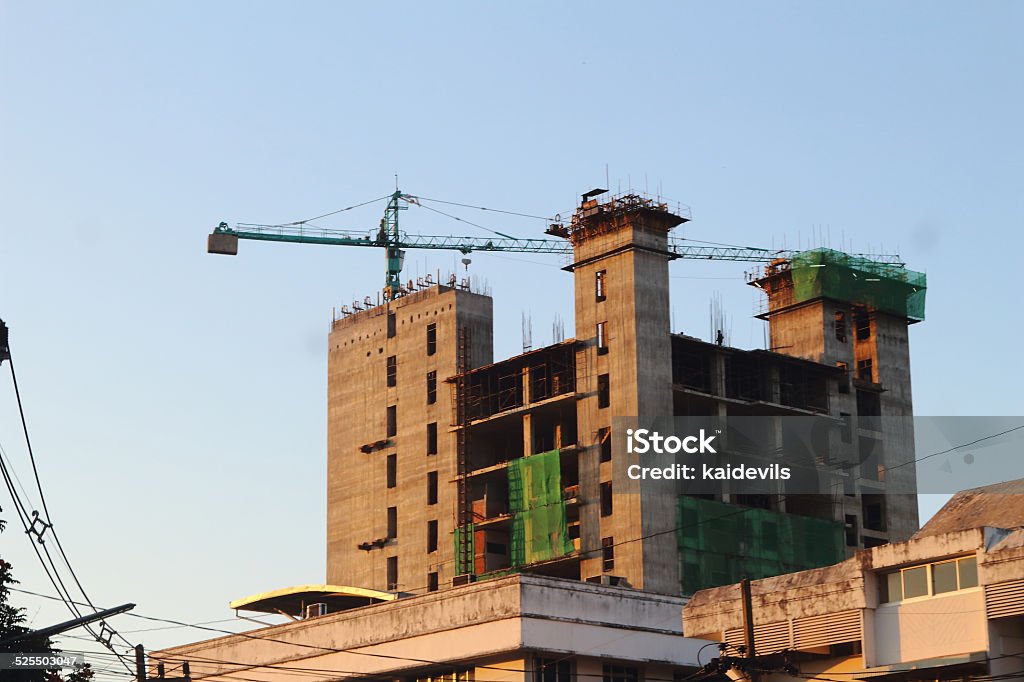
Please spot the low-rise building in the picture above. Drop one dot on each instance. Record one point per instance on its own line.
(521, 628)
(947, 604)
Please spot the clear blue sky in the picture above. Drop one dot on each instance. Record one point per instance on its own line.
(177, 400)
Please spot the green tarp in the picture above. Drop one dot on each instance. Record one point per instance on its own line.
(460, 536)
(721, 543)
(539, 529)
(840, 276)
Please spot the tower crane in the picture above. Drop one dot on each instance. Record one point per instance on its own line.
(224, 240)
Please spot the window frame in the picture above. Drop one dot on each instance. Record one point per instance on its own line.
(391, 470)
(602, 338)
(606, 499)
(432, 338)
(601, 286)
(885, 580)
(432, 438)
(392, 522)
(432, 488)
(431, 387)
(392, 371)
(432, 536)
(392, 421)
(604, 391)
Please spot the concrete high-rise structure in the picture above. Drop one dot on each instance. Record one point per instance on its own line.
(445, 470)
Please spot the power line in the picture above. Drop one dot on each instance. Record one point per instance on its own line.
(740, 510)
(250, 635)
(38, 526)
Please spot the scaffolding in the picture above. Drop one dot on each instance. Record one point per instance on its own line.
(500, 387)
(833, 274)
(719, 543)
(463, 541)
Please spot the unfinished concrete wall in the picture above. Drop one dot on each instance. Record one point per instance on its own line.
(359, 443)
(621, 279)
(872, 346)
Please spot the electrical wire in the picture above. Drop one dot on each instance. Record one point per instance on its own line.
(61, 588)
(47, 523)
(738, 512)
(250, 635)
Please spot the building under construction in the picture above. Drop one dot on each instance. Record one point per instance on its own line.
(480, 524)
(447, 467)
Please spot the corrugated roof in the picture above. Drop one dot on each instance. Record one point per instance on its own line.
(1000, 505)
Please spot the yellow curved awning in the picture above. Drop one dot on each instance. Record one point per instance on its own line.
(293, 601)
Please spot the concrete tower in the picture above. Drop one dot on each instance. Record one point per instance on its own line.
(390, 448)
(624, 369)
(853, 313)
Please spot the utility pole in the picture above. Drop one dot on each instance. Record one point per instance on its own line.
(43, 633)
(140, 669)
(140, 663)
(748, 666)
(748, 617)
(748, 623)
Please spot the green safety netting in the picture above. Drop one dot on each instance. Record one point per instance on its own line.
(837, 275)
(721, 543)
(464, 534)
(539, 529)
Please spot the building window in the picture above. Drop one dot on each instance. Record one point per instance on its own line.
(431, 388)
(607, 554)
(552, 670)
(865, 370)
(431, 536)
(392, 523)
(845, 427)
(432, 438)
(869, 404)
(602, 338)
(431, 338)
(851, 530)
(619, 673)
(392, 420)
(603, 391)
(431, 487)
(873, 512)
(392, 326)
(606, 498)
(392, 370)
(939, 577)
(604, 440)
(840, 325)
(844, 379)
(862, 322)
(392, 573)
(432, 581)
(600, 285)
(392, 468)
